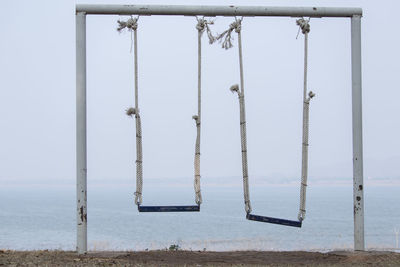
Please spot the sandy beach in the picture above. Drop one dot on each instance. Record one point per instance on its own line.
(192, 258)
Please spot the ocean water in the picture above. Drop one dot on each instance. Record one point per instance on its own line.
(43, 217)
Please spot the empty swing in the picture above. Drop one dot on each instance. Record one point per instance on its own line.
(305, 27)
(131, 25)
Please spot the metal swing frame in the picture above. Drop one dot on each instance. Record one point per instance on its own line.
(82, 10)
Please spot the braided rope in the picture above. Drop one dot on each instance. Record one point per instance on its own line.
(226, 44)
(202, 25)
(305, 28)
(131, 25)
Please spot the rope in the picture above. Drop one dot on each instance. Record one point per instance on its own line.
(202, 25)
(227, 41)
(246, 193)
(226, 44)
(305, 28)
(131, 25)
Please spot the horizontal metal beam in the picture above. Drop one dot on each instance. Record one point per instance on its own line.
(249, 11)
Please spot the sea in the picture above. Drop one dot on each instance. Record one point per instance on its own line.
(43, 216)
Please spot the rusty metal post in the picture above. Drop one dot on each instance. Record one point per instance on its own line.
(358, 187)
(81, 184)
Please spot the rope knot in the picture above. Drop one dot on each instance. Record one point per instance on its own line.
(130, 24)
(234, 88)
(311, 94)
(131, 111)
(202, 25)
(304, 25)
(234, 26)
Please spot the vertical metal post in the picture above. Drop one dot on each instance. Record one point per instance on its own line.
(81, 171)
(358, 187)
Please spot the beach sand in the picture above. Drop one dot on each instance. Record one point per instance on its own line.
(192, 258)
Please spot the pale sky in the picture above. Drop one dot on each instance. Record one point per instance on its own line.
(37, 94)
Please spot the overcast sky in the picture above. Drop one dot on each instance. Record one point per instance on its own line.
(37, 94)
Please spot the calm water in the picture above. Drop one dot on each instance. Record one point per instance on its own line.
(43, 217)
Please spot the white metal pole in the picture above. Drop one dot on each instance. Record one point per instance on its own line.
(81, 174)
(218, 10)
(358, 187)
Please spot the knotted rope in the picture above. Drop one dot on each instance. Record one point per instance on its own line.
(246, 193)
(226, 44)
(305, 28)
(202, 25)
(304, 25)
(234, 26)
(131, 25)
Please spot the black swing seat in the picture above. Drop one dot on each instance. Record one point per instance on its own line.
(265, 219)
(168, 208)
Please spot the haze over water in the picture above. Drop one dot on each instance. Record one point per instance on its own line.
(43, 217)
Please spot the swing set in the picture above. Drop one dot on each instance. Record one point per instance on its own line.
(225, 38)
(131, 25)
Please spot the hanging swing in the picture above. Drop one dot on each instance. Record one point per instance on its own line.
(226, 43)
(131, 25)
